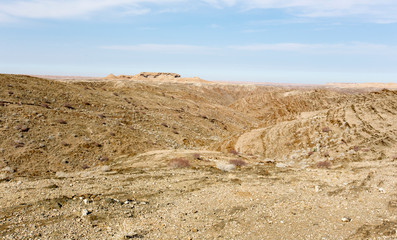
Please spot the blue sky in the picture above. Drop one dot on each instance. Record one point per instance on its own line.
(289, 41)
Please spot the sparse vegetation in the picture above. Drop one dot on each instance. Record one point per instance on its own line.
(44, 105)
(22, 128)
(323, 164)
(233, 151)
(61, 121)
(85, 166)
(356, 148)
(18, 144)
(326, 129)
(190, 185)
(238, 162)
(179, 163)
(68, 106)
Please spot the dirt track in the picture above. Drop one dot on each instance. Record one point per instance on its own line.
(136, 159)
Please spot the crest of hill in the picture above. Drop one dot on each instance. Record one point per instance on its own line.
(156, 76)
(364, 85)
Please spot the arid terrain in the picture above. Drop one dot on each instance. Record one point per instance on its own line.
(157, 156)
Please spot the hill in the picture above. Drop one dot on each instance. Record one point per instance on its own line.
(126, 158)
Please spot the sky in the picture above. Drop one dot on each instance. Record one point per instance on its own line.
(285, 41)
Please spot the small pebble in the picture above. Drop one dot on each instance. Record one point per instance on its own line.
(346, 219)
(85, 212)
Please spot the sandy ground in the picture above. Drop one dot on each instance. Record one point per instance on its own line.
(195, 161)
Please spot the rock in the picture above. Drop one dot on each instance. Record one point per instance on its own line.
(105, 169)
(158, 74)
(85, 212)
(346, 219)
(381, 190)
(8, 169)
(281, 165)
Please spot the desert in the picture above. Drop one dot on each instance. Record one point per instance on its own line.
(157, 156)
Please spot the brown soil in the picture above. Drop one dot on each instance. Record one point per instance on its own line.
(119, 159)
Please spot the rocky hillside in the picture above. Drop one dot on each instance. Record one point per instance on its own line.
(126, 158)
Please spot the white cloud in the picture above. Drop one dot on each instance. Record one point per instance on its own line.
(59, 9)
(350, 48)
(355, 48)
(162, 48)
(221, 3)
(379, 11)
(382, 11)
(5, 18)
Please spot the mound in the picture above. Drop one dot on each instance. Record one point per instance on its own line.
(359, 128)
(110, 76)
(49, 126)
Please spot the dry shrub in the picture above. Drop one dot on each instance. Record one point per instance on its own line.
(68, 105)
(22, 128)
(326, 154)
(356, 148)
(19, 144)
(233, 151)
(85, 166)
(323, 164)
(45, 105)
(65, 144)
(179, 163)
(238, 162)
(326, 129)
(61, 121)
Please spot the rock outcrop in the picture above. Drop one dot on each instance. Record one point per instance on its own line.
(158, 75)
(155, 76)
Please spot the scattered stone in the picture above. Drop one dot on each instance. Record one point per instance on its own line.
(52, 186)
(105, 169)
(8, 169)
(85, 212)
(346, 219)
(225, 167)
(281, 165)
